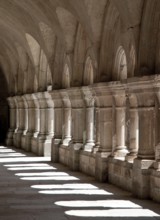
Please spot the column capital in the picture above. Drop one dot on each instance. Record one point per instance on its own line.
(19, 101)
(89, 96)
(11, 102)
(76, 97)
(65, 98)
(146, 99)
(102, 95)
(30, 100)
(120, 99)
(56, 98)
(44, 99)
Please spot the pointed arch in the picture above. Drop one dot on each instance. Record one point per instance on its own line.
(120, 65)
(88, 77)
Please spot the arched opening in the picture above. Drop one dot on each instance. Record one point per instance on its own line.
(42, 68)
(120, 66)
(88, 72)
(132, 61)
(66, 77)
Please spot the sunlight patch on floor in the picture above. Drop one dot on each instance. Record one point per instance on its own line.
(25, 159)
(32, 168)
(113, 213)
(99, 203)
(77, 192)
(27, 165)
(43, 174)
(50, 178)
(65, 186)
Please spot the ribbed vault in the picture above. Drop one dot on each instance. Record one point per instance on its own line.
(73, 29)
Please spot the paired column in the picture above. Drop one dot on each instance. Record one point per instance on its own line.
(31, 120)
(78, 127)
(12, 122)
(120, 150)
(133, 135)
(67, 119)
(104, 132)
(90, 120)
(78, 117)
(34, 122)
(147, 142)
(46, 123)
(25, 122)
(97, 132)
(58, 117)
(20, 121)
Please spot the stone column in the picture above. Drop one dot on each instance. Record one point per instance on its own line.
(58, 117)
(12, 126)
(120, 150)
(104, 127)
(67, 119)
(97, 135)
(31, 119)
(146, 151)
(34, 123)
(20, 122)
(78, 126)
(17, 122)
(25, 124)
(46, 124)
(133, 135)
(90, 114)
(154, 176)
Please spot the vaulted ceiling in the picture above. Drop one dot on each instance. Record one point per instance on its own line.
(38, 39)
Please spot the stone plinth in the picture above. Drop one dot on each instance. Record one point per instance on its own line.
(141, 178)
(87, 162)
(120, 173)
(101, 166)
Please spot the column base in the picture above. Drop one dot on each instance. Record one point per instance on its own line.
(55, 150)
(88, 147)
(141, 178)
(130, 157)
(96, 148)
(66, 141)
(101, 166)
(120, 152)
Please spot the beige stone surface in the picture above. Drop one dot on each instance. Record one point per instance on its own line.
(33, 188)
(81, 78)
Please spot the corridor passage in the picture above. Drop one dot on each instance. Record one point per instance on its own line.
(33, 188)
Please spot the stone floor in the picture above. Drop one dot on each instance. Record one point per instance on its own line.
(32, 188)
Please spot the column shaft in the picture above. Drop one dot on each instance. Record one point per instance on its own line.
(67, 126)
